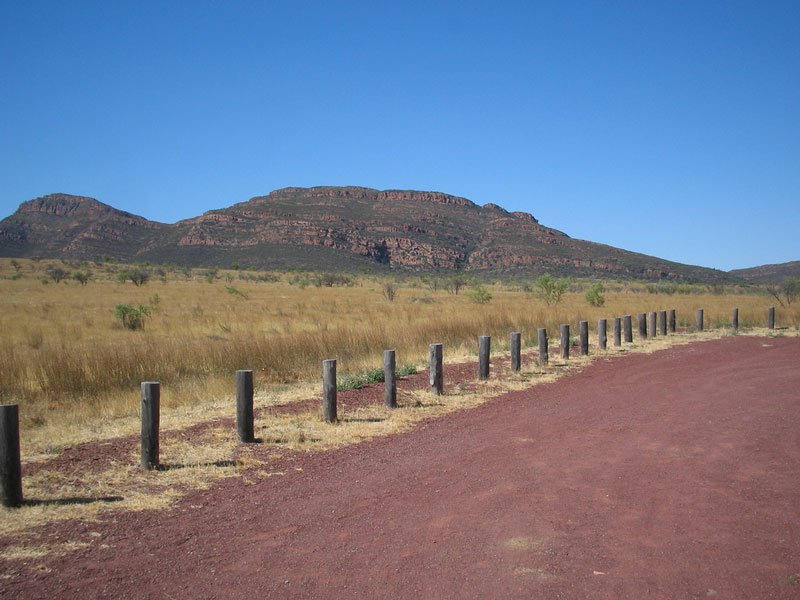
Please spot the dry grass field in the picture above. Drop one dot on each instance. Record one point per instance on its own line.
(66, 358)
(75, 370)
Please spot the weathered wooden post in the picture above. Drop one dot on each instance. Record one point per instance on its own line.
(389, 379)
(10, 461)
(602, 336)
(662, 322)
(543, 352)
(151, 416)
(735, 319)
(642, 326)
(516, 350)
(435, 370)
(329, 390)
(771, 318)
(628, 320)
(564, 341)
(618, 331)
(484, 344)
(583, 328)
(653, 327)
(672, 321)
(244, 406)
(699, 320)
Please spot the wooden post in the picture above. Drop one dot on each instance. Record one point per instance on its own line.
(618, 331)
(771, 318)
(244, 406)
(389, 379)
(699, 320)
(602, 336)
(735, 319)
(628, 321)
(642, 326)
(329, 390)
(583, 328)
(151, 418)
(662, 322)
(653, 316)
(10, 462)
(484, 344)
(516, 350)
(543, 353)
(672, 321)
(436, 373)
(564, 341)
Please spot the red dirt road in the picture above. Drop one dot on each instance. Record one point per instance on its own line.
(670, 475)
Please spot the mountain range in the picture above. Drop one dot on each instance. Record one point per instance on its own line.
(331, 228)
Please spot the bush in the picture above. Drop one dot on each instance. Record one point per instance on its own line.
(480, 295)
(132, 317)
(356, 381)
(550, 289)
(136, 276)
(594, 295)
(57, 274)
(82, 277)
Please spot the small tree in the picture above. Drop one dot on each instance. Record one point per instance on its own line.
(549, 289)
(454, 284)
(594, 295)
(480, 295)
(791, 289)
(82, 277)
(136, 276)
(788, 290)
(57, 274)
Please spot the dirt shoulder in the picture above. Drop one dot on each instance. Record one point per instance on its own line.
(668, 475)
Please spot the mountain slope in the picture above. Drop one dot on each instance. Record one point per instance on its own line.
(331, 228)
(769, 273)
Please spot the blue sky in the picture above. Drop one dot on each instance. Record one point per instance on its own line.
(669, 128)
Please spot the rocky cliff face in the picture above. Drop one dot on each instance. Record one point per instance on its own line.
(394, 229)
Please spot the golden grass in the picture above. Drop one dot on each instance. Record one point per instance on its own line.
(75, 371)
(71, 366)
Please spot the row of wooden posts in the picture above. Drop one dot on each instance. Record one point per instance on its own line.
(659, 324)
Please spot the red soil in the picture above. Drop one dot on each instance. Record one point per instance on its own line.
(670, 475)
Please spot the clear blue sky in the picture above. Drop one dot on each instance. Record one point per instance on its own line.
(669, 128)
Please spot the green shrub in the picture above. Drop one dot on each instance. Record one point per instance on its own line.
(355, 381)
(594, 295)
(132, 317)
(407, 370)
(550, 289)
(480, 295)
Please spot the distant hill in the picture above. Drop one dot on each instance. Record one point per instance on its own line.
(331, 228)
(769, 273)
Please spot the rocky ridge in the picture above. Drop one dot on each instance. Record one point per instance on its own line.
(328, 228)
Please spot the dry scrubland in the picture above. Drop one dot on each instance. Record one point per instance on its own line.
(69, 362)
(66, 358)
(75, 370)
